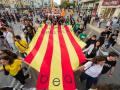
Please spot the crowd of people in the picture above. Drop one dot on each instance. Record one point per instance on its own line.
(15, 46)
(99, 65)
(92, 70)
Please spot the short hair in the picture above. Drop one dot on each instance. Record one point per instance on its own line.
(98, 59)
(18, 37)
(107, 27)
(113, 54)
(94, 36)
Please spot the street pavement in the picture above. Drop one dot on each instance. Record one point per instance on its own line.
(91, 30)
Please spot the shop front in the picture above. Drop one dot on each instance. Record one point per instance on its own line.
(110, 8)
(87, 6)
(94, 11)
(108, 12)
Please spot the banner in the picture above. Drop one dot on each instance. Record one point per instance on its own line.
(111, 2)
(55, 52)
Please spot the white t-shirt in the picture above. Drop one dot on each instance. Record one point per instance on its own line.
(108, 23)
(90, 49)
(93, 71)
(9, 37)
(22, 26)
(114, 21)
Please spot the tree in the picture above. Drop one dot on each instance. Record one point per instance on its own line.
(72, 5)
(65, 4)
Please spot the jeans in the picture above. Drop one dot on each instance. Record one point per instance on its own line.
(110, 43)
(21, 77)
(90, 80)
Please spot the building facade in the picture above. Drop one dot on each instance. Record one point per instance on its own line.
(106, 8)
(109, 8)
(89, 6)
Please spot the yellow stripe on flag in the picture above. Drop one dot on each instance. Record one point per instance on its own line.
(37, 61)
(72, 53)
(56, 69)
(80, 42)
(35, 38)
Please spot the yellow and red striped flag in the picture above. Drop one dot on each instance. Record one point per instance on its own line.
(55, 52)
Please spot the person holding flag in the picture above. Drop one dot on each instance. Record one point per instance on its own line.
(76, 26)
(21, 45)
(67, 21)
(12, 65)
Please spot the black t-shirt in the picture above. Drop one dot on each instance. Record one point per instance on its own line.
(108, 33)
(113, 37)
(108, 65)
(104, 34)
(1, 35)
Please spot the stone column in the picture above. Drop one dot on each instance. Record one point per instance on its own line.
(118, 39)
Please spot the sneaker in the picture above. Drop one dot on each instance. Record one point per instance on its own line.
(16, 86)
(21, 87)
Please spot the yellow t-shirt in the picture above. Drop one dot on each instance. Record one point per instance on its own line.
(14, 68)
(22, 45)
(71, 12)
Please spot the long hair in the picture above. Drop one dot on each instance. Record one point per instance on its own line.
(7, 58)
(100, 43)
(10, 53)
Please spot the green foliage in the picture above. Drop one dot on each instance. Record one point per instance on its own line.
(65, 4)
(72, 4)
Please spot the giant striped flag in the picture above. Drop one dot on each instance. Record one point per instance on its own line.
(55, 52)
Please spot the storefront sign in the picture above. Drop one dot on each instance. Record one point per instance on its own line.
(111, 2)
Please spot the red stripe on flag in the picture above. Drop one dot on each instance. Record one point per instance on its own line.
(78, 49)
(34, 51)
(44, 75)
(68, 76)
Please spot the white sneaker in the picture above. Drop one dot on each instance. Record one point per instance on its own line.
(21, 86)
(16, 86)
